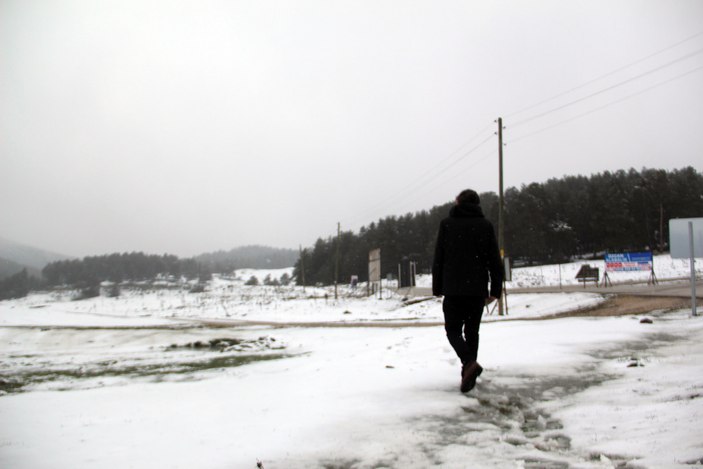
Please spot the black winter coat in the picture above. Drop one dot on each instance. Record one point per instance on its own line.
(466, 254)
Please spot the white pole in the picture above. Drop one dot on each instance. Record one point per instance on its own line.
(693, 269)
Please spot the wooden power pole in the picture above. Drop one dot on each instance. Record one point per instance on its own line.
(501, 214)
(661, 228)
(336, 262)
(302, 266)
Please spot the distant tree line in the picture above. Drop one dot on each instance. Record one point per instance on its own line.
(137, 266)
(248, 257)
(9, 268)
(134, 266)
(270, 281)
(17, 285)
(544, 223)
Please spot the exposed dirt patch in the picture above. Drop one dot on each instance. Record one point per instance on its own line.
(134, 369)
(623, 305)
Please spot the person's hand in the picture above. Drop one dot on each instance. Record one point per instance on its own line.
(490, 299)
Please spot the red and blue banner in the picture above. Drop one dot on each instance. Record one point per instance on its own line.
(629, 262)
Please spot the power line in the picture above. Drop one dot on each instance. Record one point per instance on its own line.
(462, 173)
(426, 178)
(455, 162)
(605, 105)
(619, 69)
(410, 189)
(438, 169)
(455, 176)
(570, 103)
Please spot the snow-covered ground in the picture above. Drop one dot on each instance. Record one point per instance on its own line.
(136, 381)
(288, 305)
(665, 268)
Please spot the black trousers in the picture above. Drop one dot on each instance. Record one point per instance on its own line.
(462, 319)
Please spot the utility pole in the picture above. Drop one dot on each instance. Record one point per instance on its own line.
(691, 251)
(336, 262)
(302, 265)
(501, 214)
(661, 227)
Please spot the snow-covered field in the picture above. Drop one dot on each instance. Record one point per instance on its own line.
(665, 268)
(138, 381)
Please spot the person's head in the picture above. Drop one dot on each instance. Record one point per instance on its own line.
(468, 197)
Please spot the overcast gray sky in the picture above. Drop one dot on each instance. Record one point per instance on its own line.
(190, 126)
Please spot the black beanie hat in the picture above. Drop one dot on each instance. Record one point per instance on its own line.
(468, 197)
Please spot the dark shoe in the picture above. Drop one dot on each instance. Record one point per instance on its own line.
(470, 372)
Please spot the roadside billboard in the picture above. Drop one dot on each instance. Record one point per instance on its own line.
(629, 262)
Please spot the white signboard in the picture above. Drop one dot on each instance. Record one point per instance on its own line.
(679, 241)
(375, 265)
(686, 241)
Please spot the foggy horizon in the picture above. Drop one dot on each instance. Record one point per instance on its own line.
(254, 245)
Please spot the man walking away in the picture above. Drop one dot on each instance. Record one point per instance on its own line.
(466, 260)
